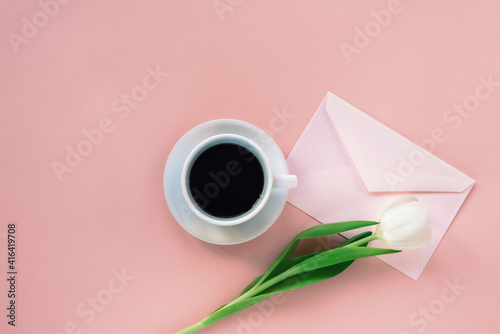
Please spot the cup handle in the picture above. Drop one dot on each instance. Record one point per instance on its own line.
(285, 181)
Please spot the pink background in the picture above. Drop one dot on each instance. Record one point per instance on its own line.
(109, 214)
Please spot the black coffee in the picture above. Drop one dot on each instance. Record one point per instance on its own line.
(226, 180)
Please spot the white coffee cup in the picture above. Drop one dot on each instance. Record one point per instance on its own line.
(270, 180)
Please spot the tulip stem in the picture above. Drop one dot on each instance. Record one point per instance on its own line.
(191, 329)
(362, 241)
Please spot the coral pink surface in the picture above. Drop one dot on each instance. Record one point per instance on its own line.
(94, 95)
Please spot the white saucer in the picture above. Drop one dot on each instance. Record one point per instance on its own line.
(223, 235)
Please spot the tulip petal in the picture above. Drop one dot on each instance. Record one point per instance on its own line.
(401, 200)
(406, 225)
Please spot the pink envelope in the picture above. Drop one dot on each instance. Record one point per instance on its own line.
(351, 167)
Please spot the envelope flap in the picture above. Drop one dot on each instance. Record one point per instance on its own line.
(385, 160)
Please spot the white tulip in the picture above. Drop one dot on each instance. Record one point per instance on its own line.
(405, 225)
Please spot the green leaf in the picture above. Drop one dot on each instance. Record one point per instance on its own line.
(251, 285)
(230, 309)
(313, 265)
(288, 263)
(287, 273)
(312, 276)
(313, 232)
(360, 236)
(334, 256)
(333, 228)
(292, 273)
